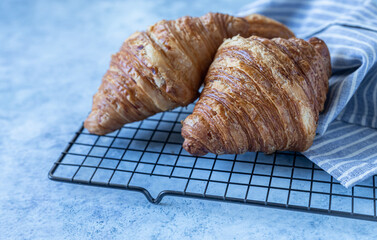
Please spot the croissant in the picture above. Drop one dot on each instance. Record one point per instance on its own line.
(163, 67)
(260, 95)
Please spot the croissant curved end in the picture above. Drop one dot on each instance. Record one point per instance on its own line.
(194, 147)
(91, 123)
(267, 27)
(321, 47)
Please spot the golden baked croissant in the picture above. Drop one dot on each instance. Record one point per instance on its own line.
(260, 95)
(163, 67)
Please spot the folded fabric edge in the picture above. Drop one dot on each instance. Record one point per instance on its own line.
(346, 151)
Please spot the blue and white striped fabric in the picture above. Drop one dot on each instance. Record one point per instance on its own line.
(346, 141)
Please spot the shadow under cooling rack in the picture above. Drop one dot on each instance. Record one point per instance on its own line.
(148, 157)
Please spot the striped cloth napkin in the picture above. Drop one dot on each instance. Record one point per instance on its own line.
(346, 141)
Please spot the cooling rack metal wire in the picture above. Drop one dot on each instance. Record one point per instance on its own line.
(148, 157)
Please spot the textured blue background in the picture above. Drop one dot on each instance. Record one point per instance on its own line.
(52, 57)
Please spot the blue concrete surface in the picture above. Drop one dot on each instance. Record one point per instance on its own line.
(52, 57)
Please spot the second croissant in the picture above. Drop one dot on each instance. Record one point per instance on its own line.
(162, 68)
(260, 95)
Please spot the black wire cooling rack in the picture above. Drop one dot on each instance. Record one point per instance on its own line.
(148, 157)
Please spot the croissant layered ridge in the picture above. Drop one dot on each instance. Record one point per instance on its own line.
(163, 67)
(260, 95)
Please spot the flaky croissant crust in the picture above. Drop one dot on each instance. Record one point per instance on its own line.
(163, 67)
(260, 95)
